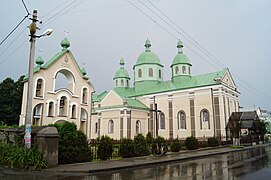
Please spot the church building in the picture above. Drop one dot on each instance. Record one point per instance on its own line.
(61, 92)
(183, 106)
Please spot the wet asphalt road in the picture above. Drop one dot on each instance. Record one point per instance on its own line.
(248, 165)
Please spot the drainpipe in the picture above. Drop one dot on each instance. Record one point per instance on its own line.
(212, 95)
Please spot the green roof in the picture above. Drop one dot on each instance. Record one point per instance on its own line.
(99, 97)
(187, 82)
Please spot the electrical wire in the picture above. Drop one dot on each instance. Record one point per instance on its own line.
(201, 48)
(25, 8)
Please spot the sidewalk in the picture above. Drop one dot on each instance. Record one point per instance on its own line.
(113, 165)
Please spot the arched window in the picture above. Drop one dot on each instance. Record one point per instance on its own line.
(181, 120)
(85, 96)
(138, 127)
(116, 82)
(189, 70)
(96, 128)
(162, 121)
(177, 70)
(73, 111)
(160, 73)
(139, 73)
(184, 70)
(63, 106)
(150, 72)
(127, 83)
(84, 115)
(110, 126)
(51, 109)
(37, 114)
(204, 117)
(64, 79)
(39, 88)
(122, 82)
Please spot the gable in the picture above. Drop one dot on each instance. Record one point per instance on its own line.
(228, 80)
(111, 99)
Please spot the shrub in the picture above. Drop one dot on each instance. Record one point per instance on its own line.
(127, 148)
(19, 157)
(73, 145)
(212, 142)
(105, 148)
(191, 143)
(175, 146)
(141, 146)
(160, 141)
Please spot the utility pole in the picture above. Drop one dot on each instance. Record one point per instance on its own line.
(28, 118)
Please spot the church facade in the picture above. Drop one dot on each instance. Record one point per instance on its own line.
(61, 92)
(183, 106)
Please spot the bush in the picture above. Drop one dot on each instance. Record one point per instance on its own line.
(175, 146)
(161, 142)
(127, 148)
(19, 157)
(212, 142)
(73, 144)
(191, 143)
(105, 148)
(141, 146)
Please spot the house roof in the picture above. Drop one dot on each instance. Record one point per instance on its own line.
(245, 118)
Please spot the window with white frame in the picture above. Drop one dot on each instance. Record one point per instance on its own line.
(162, 124)
(181, 120)
(110, 126)
(138, 127)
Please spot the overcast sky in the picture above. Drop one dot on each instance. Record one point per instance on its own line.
(236, 33)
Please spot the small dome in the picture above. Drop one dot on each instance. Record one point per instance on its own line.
(122, 72)
(180, 59)
(65, 43)
(39, 61)
(147, 57)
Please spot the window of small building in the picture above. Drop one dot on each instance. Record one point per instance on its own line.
(63, 106)
(160, 73)
(184, 70)
(122, 82)
(74, 111)
(110, 126)
(39, 88)
(139, 73)
(150, 72)
(177, 70)
(96, 128)
(138, 127)
(51, 109)
(84, 95)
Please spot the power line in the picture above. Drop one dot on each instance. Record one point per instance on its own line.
(13, 52)
(25, 7)
(13, 30)
(13, 41)
(206, 52)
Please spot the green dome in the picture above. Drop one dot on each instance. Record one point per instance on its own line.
(147, 58)
(122, 73)
(65, 43)
(39, 61)
(180, 59)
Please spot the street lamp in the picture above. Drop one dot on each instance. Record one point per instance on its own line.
(28, 118)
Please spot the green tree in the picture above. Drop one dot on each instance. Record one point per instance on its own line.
(11, 93)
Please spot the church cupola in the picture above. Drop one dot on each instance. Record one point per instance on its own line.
(122, 79)
(39, 61)
(147, 71)
(180, 66)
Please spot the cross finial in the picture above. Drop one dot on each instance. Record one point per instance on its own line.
(179, 35)
(67, 32)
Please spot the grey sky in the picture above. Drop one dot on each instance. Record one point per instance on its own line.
(237, 32)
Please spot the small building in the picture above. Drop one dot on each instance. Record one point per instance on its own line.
(62, 92)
